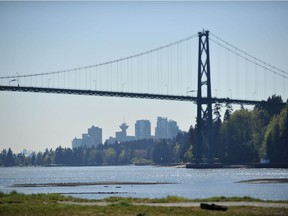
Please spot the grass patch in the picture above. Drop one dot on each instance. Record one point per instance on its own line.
(230, 199)
(48, 204)
(122, 203)
(177, 199)
(130, 210)
(168, 199)
(15, 197)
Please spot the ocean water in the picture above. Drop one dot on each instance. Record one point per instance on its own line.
(189, 183)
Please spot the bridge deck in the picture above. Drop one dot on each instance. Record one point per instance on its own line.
(125, 94)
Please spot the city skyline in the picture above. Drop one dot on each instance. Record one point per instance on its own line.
(40, 37)
(142, 130)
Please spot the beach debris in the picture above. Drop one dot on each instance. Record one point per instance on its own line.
(213, 207)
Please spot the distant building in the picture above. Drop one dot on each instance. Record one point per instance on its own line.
(161, 128)
(121, 136)
(96, 134)
(173, 129)
(142, 129)
(166, 129)
(87, 140)
(111, 140)
(93, 138)
(76, 143)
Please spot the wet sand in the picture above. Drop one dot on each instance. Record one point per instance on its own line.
(73, 184)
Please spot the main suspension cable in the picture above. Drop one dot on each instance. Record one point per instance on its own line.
(107, 62)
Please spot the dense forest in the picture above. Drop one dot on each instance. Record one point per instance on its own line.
(241, 136)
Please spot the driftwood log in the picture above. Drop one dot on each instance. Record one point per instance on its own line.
(213, 207)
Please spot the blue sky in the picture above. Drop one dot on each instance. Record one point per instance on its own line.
(39, 37)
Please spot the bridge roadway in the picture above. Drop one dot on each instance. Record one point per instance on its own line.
(125, 94)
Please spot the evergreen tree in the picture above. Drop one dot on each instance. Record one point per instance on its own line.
(276, 138)
(161, 152)
(228, 112)
(9, 159)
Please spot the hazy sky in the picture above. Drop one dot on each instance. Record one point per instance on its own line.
(38, 37)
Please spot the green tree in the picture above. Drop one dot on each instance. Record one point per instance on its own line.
(39, 159)
(237, 137)
(109, 156)
(228, 112)
(188, 156)
(217, 122)
(273, 106)
(161, 152)
(47, 157)
(3, 156)
(33, 159)
(20, 159)
(123, 157)
(59, 156)
(275, 142)
(10, 158)
(184, 142)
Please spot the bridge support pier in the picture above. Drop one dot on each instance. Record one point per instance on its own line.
(204, 102)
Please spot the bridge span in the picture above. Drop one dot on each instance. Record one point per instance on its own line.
(127, 95)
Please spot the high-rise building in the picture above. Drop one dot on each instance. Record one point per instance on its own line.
(96, 134)
(142, 129)
(173, 129)
(161, 128)
(166, 129)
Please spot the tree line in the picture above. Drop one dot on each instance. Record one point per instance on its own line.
(140, 152)
(243, 136)
(247, 136)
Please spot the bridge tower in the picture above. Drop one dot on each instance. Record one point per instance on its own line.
(204, 102)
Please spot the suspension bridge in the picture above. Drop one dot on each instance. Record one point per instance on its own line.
(170, 72)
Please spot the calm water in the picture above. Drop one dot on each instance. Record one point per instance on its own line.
(190, 183)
